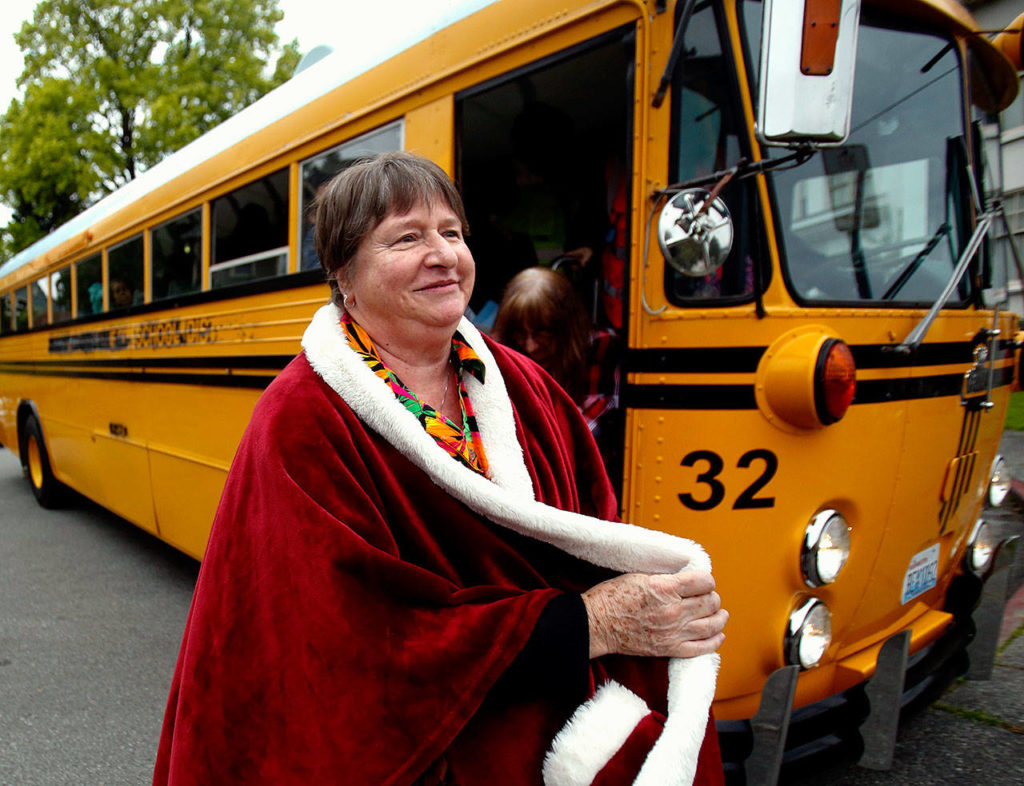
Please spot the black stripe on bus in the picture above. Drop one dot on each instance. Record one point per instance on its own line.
(937, 354)
(689, 397)
(741, 397)
(276, 362)
(253, 381)
(745, 360)
(877, 391)
(697, 360)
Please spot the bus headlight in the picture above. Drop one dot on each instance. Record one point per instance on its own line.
(980, 548)
(808, 635)
(826, 548)
(999, 482)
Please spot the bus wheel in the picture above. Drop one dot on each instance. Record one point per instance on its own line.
(36, 461)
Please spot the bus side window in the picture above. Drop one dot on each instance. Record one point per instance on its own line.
(176, 256)
(21, 309)
(125, 266)
(89, 285)
(316, 171)
(250, 232)
(60, 295)
(37, 290)
(5, 314)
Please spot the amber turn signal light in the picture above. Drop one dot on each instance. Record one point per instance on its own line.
(835, 380)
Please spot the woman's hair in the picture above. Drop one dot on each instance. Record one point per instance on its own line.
(354, 202)
(539, 299)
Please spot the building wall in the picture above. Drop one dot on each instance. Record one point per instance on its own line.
(995, 15)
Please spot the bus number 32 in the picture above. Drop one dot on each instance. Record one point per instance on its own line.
(716, 489)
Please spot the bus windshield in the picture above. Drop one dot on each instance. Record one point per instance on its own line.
(883, 217)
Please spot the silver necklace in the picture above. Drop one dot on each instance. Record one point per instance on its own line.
(447, 382)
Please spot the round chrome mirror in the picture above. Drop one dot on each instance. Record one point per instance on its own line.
(695, 232)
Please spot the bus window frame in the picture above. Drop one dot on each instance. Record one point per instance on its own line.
(78, 295)
(212, 267)
(151, 255)
(750, 197)
(301, 207)
(108, 306)
(33, 286)
(8, 311)
(52, 287)
(25, 304)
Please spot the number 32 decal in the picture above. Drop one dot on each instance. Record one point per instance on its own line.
(716, 489)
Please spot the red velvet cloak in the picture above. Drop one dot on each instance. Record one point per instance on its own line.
(355, 606)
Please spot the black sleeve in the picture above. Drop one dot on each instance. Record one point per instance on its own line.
(556, 658)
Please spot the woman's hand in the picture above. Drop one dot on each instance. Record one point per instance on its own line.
(675, 615)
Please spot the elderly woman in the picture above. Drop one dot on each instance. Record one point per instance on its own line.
(412, 576)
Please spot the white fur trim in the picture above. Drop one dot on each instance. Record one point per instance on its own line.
(691, 688)
(592, 735)
(507, 498)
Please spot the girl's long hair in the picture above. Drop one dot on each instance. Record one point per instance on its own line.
(539, 299)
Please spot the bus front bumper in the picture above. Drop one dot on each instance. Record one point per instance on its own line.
(861, 723)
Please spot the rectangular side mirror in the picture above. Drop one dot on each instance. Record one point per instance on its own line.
(808, 54)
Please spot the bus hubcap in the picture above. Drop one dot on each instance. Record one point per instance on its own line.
(35, 463)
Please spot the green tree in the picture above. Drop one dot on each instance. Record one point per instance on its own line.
(112, 86)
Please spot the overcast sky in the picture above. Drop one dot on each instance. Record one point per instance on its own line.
(311, 21)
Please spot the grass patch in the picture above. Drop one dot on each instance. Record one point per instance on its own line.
(1015, 413)
(1010, 639)
(977, 716)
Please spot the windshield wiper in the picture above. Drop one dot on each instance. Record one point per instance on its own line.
(916, 336)
(916, 262)
(673, 55)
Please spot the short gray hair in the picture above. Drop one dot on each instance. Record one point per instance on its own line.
(362, 195)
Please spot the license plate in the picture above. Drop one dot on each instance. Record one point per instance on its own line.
(922, 574)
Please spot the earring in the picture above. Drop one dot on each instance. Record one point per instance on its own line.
(345, 301)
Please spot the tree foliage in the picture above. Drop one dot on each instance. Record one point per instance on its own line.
(112, 86)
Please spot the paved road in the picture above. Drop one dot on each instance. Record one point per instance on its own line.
(91, 614)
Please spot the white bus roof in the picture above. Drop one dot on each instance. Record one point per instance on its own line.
(377, 43)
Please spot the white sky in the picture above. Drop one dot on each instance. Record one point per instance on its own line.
(311, 21)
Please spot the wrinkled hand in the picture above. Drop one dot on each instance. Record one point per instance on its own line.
(675, 615)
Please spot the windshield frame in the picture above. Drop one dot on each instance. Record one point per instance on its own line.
(956, 200)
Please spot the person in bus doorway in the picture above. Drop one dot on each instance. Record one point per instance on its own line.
(542, 316)
(414, 575)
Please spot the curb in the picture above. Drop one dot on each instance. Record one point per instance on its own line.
(1013, 612)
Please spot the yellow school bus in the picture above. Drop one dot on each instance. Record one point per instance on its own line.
(785, 204)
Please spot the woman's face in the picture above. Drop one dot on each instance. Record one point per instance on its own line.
(412, 271)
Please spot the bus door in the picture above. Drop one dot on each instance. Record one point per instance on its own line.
(544, 158)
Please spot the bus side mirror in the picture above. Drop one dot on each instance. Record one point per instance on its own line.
(808, 53)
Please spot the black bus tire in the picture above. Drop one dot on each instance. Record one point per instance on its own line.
(48, 491)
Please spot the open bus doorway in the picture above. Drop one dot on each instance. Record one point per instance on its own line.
(543, 164)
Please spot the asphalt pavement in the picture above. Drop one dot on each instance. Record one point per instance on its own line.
(91, 614)
(92, 609)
